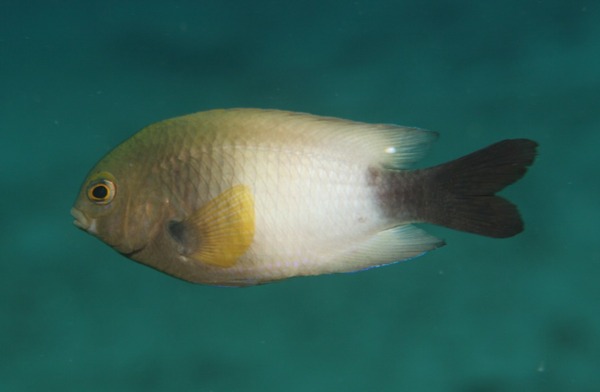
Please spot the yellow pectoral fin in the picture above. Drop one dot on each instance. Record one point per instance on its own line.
(225, 227)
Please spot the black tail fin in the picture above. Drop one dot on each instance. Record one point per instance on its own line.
(463, 191)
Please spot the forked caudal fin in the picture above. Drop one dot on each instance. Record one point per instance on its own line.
(467, 188)
(461, 194)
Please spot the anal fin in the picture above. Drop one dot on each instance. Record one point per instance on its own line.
(389, 246)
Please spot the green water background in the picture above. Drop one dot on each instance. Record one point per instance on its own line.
(479, 315)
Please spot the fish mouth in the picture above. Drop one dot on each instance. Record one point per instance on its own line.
(83, 222)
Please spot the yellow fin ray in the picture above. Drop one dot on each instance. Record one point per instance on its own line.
(224, 227)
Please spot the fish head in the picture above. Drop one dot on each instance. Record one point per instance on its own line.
(116, 203)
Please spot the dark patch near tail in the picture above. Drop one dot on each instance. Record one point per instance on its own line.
(461, 194)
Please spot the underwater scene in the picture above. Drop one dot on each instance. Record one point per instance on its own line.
(114, 270)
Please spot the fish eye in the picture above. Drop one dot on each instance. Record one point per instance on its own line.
(101, 191)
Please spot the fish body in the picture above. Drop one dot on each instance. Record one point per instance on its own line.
(240, 197)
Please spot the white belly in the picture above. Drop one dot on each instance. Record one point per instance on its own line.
(309, 210)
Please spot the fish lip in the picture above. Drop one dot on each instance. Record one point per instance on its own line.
(82, 221)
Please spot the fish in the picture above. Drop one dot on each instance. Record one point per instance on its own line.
(241, 197)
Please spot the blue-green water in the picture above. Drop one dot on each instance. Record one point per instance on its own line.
(478, 315)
